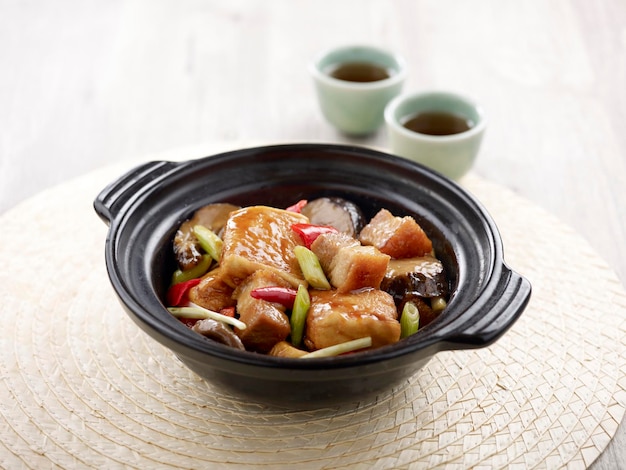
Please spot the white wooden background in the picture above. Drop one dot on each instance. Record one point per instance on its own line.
(87, 83)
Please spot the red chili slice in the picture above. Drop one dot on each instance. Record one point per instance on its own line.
(281, 295)
(177, 294)
(309, 232)
(297, 207)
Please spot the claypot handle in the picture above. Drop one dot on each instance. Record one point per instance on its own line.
(112, 198)
(501, 309)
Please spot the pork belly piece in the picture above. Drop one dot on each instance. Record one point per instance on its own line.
(266, 322)
(349, 265)
(335, 318)
(358, 267)
(260, 237)
(327, 246)
(212, 292)
(421, 276)
(398, 237)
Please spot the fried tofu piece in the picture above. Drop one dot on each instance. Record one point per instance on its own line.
(212, 292)
(266, 322)
(349, 265)
(285, 349)
(335, 318)
(398, 237)
(260, 237)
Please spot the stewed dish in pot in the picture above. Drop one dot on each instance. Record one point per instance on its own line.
(161, 205)
(315, 279)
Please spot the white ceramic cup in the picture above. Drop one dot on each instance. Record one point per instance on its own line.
(453, 155)
(356, 108)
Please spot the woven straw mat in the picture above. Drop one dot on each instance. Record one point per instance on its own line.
(82, 387)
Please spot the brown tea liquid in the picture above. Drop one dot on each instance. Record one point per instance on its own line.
(359, 72)
(437, 123)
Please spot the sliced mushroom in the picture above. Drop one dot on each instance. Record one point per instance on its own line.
(344, 215)
(423, 276)
(218, 331)
(186, 246)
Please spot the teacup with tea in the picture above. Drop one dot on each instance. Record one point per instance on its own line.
(441, 130)
(355, 83)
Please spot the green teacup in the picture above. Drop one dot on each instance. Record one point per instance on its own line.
(354, 84)
(440, 130)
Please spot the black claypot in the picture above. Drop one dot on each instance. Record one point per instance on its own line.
(145, 206)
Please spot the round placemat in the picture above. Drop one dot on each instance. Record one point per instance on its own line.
(82, 387)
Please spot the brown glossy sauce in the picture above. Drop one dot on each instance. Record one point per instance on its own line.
(359, 72)
(437, 123)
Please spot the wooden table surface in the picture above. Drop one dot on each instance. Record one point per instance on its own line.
(84, 84)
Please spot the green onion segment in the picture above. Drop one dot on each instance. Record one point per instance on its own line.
(298, 315)
(438, 304)
(209, 241)
(340, 348)
(311, 268)
(201, 313)
(197, 271)
(410, 320)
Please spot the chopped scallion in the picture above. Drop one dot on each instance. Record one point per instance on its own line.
(311, 268)
(209, 241)
(410, 320)
(200, 313)
(438, 304)
(298, 315)
(197, 271)
(340, 348)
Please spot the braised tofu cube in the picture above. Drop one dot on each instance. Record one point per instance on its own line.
(260, 237)
(335, 318)
(349, 265)
(398, 237)
(285, 349)
(212, 292)
(266, 322)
